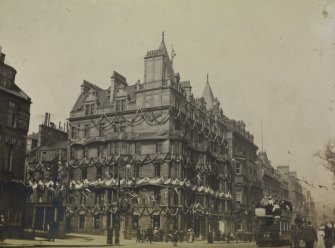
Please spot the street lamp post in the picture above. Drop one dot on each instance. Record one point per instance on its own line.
(119, 205)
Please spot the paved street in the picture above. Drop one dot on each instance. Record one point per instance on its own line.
(100, 241)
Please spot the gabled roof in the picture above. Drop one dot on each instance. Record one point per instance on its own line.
(90, 85)
(81, 99)
(16, 91)
(79, 103)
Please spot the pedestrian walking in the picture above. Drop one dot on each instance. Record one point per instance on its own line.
(149, 234)
(310, 235)
(138, 234)
(143, 235)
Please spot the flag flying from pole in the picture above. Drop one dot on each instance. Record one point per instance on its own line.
(322, 186)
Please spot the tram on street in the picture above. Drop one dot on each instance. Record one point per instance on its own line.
(273, 225)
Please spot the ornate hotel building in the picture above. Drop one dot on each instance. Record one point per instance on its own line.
(149, 153)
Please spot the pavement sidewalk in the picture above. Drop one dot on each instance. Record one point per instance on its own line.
(86, 240)
(72, 240)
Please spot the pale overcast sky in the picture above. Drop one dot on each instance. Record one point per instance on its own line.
(266, 59)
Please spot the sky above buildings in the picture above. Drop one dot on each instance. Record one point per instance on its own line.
(267, 60)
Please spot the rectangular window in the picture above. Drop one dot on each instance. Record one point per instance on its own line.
(238, 196)
(117, 148)
(9, 161)
(81, 221)
(158, 146)
(83, 173)
(75, 134)
(116, 127)
(122, 127)
(238, 168)
(118, 105)
(85, 152)
(11, 114)
(112, 147)
(123, 148)
(111, 196)
(157, 195)
(101, 152)
(99, 196)
(136, 170)
(138, 148)
(102, 129)
(157, 170)
(131, 148)
(119, 127)
(92, 109)
(87, 109)
(99, 172)
(86, 131)
(123, 105)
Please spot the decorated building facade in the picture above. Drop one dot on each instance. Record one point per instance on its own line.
(14, 125)
(44, 184)
(248, 182)
(295, 192)
(148, 154)
(271, 179)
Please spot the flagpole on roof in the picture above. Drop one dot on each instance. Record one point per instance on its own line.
(262, 134)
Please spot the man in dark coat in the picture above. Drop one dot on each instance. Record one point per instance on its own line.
(2, 227)
(138, 234)
(329, 235)
(310, 235)
(150, 234)
(52, 231)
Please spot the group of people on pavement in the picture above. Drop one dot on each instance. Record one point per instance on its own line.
(306, 232)
(145, 235)
(329, 234)
(310, 236)
(151, 234)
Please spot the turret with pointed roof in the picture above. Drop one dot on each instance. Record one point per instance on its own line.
(208, 96)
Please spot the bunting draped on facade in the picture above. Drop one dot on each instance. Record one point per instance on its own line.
(152, 120)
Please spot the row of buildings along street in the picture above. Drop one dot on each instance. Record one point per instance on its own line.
(134, 155)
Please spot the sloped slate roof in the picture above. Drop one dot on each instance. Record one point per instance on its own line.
(208, 96)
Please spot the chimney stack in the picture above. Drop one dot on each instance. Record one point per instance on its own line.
(46, 119)
(2, 57)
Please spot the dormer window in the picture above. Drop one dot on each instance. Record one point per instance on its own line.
(120, 105)
(90, 109)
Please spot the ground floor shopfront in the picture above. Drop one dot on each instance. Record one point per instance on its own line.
(12, 200)
(164, 223)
